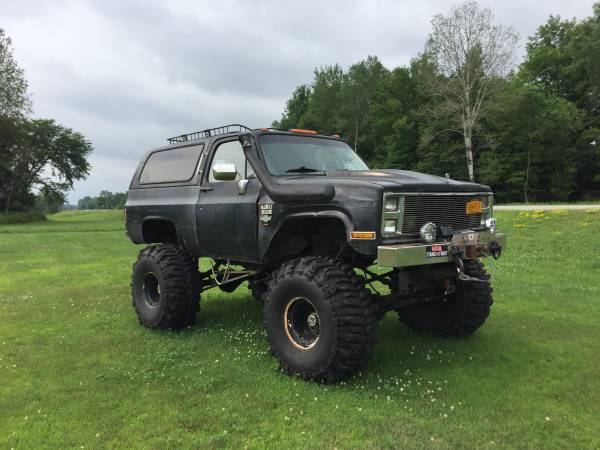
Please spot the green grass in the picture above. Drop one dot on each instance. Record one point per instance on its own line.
(21, 217)
(77, 370)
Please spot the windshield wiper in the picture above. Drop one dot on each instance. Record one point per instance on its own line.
(303, 169)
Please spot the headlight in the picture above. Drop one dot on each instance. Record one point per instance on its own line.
(485, 201)
(391, 204)
(428, 232)
(490, 224)
(390, 226)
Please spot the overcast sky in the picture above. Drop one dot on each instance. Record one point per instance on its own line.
(129, 74)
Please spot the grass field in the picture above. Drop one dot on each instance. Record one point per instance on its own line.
(77, 371)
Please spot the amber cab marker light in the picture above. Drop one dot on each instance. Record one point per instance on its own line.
(362, 235)
(263, 129)
(298, 130)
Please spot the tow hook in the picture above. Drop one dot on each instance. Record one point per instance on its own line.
(495, 250)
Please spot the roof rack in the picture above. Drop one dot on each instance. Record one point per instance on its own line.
(231, 128)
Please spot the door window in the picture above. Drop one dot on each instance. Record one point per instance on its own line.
(230, 153)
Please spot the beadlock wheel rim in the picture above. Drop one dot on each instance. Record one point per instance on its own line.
(151, 289)
(301, 323)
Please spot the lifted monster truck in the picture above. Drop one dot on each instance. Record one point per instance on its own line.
(302, 218)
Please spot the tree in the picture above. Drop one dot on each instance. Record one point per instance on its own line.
(295, 109)
(357, 102)
(562, 57)
(86, 202)
(14, 97)
(469, 53)
(105, 200)
(324, 107)
(49, 201)
(45, 156)
(536, 151)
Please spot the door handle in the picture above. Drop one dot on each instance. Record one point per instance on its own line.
(242, 185)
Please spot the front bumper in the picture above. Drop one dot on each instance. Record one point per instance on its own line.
(469, 245)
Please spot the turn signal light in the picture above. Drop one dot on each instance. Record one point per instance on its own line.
(362, 235)
(299, 130)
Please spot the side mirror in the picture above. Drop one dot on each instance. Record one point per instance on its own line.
(224, 172)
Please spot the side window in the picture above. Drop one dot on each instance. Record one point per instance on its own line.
(230, 153)
(171, 166)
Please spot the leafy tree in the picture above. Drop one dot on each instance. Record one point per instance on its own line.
(86, 202)
(469, 53)
(295, 110)
(105, 200)
(46, 156)
(536, 153)
(562, 59)
(324, 110)
(49, 201)
(119, 200)
(14, 96)
(357, 102)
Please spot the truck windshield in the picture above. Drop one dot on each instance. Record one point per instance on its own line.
(286, 154)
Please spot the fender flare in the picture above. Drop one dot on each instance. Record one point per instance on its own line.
(327, 214)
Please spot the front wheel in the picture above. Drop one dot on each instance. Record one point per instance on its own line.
(165, 287)
(320, 319)
(455, 315)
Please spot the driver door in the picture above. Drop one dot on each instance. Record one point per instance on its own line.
(226, 215)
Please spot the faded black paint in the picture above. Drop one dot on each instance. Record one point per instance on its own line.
(212, 219)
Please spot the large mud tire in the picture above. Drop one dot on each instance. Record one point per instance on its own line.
(457, 315)
(165, 287)
(342, 308)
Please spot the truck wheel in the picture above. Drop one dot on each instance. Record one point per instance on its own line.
(455, 315)
(320, 319)
(165, 287)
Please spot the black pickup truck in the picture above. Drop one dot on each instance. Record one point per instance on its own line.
(310, 227)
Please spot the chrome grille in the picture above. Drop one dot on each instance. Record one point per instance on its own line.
(443, 210)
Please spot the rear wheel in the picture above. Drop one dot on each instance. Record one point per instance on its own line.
(165, 287)
(458, 314)
(320, 319)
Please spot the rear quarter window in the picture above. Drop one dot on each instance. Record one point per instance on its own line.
(171, 166)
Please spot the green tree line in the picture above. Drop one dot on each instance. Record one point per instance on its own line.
(536, 138)
(105, 200)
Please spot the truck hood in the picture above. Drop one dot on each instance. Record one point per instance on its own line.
(390, 180)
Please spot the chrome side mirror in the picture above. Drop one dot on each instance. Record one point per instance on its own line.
(224, 172)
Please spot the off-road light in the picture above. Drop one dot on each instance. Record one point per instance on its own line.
(390, 226)
(490, 224)
(391, 204)
(428, 232)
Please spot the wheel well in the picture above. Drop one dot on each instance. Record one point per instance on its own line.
(159, 230)
(302, 236)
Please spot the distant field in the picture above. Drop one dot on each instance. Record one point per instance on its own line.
(77, 371)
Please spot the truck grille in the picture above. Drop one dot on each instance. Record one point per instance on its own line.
(443, 210)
